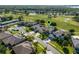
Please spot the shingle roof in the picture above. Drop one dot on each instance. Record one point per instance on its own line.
(23, 48)
(12, 40)
(4, 35)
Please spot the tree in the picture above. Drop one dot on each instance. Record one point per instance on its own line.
(60, 41)
(10, 17)
(6, 11)
(53, 24)
(76, 14)
(38, 20)
(65, 43)
(55, 39)
(27, 13)
(76, 18)
(45, 50)
(42, 21)
(35, 45)
(4, 49)
(43, 36)
(20, 18)
(31, 29)
(72, 31)
(29, 38)
(66, 50)
(55, 29)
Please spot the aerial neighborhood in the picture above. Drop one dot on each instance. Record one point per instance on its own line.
(34, 30)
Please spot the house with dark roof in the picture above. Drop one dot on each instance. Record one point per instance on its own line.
(39, 28)
(4, 35)
(23, 48)
(12, 40)
(60, 33)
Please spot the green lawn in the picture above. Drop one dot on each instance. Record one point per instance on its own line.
(70, 24)
(40, 48)
(56, 46)
(71, 49)
(60, 48)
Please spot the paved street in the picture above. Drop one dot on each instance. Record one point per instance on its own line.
(49, 47)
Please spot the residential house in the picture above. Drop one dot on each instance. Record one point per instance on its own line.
(12, 40)
(4, 35)
(60, 33)
(23, 48)
(75, 41)
(39, 28)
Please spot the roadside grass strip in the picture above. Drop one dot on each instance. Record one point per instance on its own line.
(58, 48)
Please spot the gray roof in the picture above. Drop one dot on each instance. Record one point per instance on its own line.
(75, 42)
(39, 28)
(12, 40)
(77, 45)
(23, 48)
(4, 35)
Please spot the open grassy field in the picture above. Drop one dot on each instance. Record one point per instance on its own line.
(60, 20)
(70, 24)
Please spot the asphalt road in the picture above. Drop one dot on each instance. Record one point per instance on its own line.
(49, 47)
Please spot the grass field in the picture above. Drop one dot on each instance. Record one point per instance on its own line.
(60, 20)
